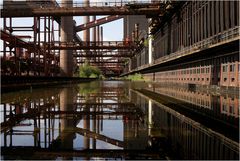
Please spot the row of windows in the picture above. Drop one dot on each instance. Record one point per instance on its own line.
(188, 71)
(231, 68)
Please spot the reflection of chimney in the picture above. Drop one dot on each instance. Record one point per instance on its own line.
(66, 104)
(66, 56)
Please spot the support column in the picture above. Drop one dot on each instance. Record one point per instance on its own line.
(66, 56)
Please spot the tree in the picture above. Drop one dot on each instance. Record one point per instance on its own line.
(88, 71)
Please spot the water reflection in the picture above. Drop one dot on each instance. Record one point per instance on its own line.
(104, 120)
(222, 107)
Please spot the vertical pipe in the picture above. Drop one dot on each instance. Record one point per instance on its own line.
(136, 31)
(38, 42)
(44, 46)
(4, 43)
(98, 39)
(101, 42)
(35, 43)
(66, 56)
(49, 32)
(94, 35)
(149, 46)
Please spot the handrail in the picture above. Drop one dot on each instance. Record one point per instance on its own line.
(213, 40)
(47, 4)
(218, 38)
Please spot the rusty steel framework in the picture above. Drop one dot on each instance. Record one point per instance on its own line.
(29, 57)
(40, 55)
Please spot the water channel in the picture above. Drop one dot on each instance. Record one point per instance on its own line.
(119, 120)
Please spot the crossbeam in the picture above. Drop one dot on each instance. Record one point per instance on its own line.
(97, 22)
(41, 8)
(93, 45)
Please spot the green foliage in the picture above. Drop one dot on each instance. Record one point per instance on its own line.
(135, 77)
(87, 71)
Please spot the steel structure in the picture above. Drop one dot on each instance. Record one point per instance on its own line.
(38, 52)
(52, 8)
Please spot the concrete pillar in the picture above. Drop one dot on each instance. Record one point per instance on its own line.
(149, 46)
(66, 56)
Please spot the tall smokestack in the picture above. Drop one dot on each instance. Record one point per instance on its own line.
(86, 33)
(66, 56)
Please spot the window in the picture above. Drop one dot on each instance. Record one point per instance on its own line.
(225, 79)
(225, 68)
(202, 70)
(207, 70)
(232, 68)
(198, 70)
(233, 79)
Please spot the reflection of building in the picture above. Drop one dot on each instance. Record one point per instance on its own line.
(200, 99)
(226, 105)
(204, 106)
(230, 106)
(190, 140)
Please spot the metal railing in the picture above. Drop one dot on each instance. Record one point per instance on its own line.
(94, 43)
(206, 43)
(50, 4)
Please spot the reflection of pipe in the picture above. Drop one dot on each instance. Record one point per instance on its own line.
(67, 124)
(149, 117)
(86, 125)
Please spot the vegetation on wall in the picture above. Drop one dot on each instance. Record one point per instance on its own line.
(135, 77)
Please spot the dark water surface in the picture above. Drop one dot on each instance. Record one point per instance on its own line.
(119, 120)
